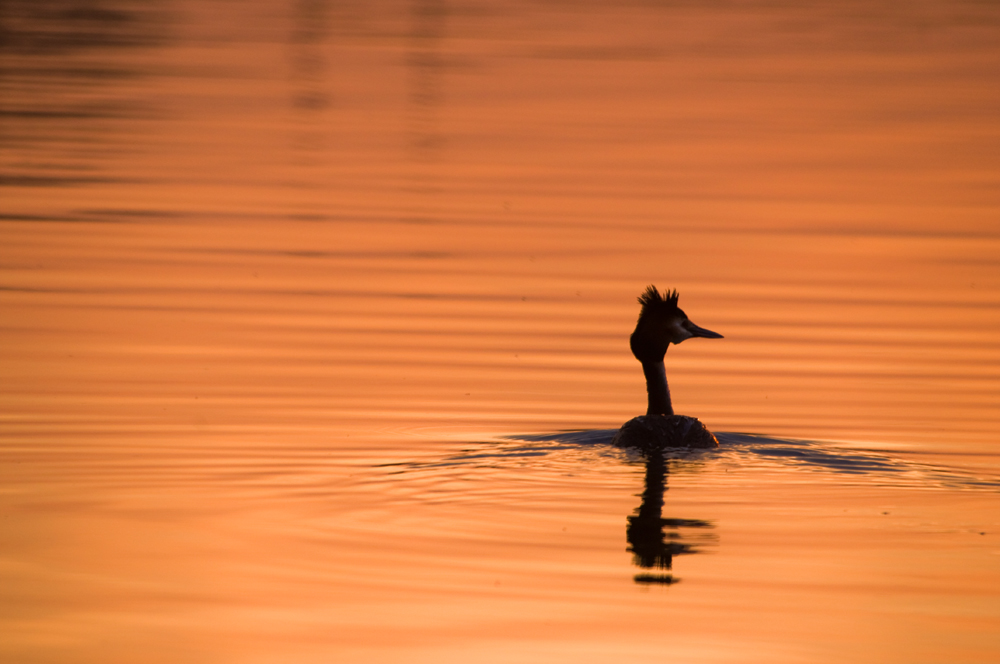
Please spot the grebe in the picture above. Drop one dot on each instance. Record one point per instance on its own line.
(661, 322)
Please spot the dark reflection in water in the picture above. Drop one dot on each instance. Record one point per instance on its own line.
(309, 62)
(425, 64)
(61, 85)
(651, 547)
(654, 540)
(63, 26)
(310, 98)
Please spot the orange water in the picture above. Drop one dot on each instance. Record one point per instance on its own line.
(296, 297)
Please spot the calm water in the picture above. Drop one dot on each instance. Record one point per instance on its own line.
(314, 330)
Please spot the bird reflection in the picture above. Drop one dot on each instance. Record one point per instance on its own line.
(651, 547)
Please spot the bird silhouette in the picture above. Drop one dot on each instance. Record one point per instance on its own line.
(661, 323)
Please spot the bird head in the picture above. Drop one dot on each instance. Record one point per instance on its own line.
(661, 323)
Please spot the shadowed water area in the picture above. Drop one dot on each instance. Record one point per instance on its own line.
(315, 316)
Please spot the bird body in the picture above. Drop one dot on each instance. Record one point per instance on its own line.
(661, 323)
(654, 432)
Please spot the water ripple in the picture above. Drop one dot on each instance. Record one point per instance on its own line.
(739, 449)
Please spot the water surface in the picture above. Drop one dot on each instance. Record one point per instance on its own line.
(314, 319)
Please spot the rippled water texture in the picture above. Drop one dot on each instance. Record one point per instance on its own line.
(314, 328)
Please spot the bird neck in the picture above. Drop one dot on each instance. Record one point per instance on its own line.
(656, 388)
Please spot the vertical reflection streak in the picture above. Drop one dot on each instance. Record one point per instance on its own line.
(651, 547)
(310, 101)
(424, 64)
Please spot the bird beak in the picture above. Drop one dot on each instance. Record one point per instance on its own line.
(700, 331)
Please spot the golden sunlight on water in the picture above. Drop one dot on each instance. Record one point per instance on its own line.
(314, 328)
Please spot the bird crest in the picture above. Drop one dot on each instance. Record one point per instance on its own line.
(651, 300)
